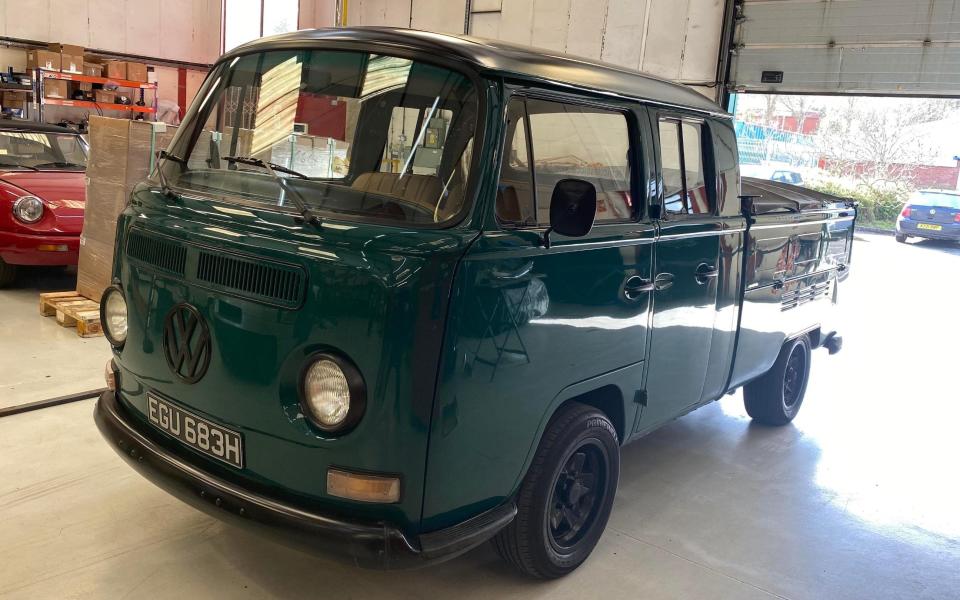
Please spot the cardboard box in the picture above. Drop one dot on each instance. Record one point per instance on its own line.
(65, 49)
(13, 100)
(43, 59)
(92, 68)
(136, 71)
(104, 96)
(120, 157)
(115, 69)
(55, 88)
(71, 63)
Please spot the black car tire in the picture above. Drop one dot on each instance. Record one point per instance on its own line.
(901, 238)
(544, 540)
(775, 397)
(7, 273)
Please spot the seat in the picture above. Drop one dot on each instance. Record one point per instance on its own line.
(421, 190)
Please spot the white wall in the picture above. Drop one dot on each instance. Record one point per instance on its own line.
(674, 39)
(186, 30)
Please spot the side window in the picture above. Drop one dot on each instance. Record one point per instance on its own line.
(515, 202)
(567, 141)
(571, 141)
(685, 190)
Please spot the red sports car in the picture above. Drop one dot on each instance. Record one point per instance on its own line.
(42, 195)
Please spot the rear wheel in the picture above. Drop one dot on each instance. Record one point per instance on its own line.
(775, 397)
(7, 273)
(566, 497)
(901, 238)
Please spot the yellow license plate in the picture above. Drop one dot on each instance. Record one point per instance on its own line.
(929, 226)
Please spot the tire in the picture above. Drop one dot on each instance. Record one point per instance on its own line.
(7, 274)
(775, 397)
(900, 238)
(560, 516)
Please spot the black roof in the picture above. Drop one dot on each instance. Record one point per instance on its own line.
(502, 58)
(33, 126)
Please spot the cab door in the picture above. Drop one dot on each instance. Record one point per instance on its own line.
(686, 271)
(528, 323)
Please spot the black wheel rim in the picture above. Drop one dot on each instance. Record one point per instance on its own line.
(578, 494)
(793, 377)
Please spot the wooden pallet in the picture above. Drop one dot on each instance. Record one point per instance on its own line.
(72, 310)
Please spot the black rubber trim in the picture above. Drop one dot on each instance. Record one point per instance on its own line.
(22, 408)
(366, 544)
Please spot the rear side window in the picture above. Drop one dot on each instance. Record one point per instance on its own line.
(565, 141)
(685, 190)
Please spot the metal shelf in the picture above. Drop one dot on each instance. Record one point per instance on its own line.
(94, 79)
(100, 105)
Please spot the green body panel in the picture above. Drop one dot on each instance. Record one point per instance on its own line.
(527, 324)
(376, 294)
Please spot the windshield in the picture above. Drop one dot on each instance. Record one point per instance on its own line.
(32, 150)
(357, 134)
(936, 199)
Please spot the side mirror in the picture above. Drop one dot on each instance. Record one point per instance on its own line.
(573, 208)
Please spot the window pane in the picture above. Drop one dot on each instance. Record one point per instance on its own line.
(698, 201)
(398, 153)
(280, 16)
(515, 204)
(670, 165)
(241, 22)
(584, 143)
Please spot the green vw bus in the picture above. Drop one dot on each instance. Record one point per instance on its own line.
(392, 294)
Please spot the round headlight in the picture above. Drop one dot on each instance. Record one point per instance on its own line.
(333, 393)
(113, 316)
(28, 209)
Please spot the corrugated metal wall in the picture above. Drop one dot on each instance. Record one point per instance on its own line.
(674, 39)
(850, 46)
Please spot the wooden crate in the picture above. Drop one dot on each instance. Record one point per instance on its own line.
(72, 310)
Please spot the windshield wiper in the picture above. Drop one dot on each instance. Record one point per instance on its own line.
(6, 164)
(272, 168)
(164, 156)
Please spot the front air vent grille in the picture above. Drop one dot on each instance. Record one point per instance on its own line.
(801, 296)
(268, 282)
(160, 253)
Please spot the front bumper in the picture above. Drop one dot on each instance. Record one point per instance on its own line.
(25, 249)
(950, 231)
(365, 544)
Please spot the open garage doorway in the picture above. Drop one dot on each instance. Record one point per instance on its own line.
(884, 152)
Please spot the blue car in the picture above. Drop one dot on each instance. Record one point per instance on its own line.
(932, 214)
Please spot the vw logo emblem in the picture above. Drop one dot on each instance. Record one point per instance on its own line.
(933, 211)
(186, 343)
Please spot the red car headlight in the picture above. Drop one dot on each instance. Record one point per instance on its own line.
(28, 209)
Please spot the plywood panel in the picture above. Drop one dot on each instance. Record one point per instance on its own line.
(702, 41)
(551, 22)
(588, 20)
(515, 22)
(143, 35)
(665, 34)
(69, 22)
(30, 21)
(623, 38)
(378, 12)
(442, 16)
(108, 25)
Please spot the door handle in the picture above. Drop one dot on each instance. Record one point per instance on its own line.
(705, 273)
(663, 281)
(635, 286)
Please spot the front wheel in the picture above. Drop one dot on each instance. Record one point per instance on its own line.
(566, 497)
(775, 397)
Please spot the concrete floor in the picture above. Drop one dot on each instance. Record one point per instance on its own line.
(859, 498)
(39, 359)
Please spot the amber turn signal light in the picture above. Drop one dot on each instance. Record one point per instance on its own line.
(365, 488)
